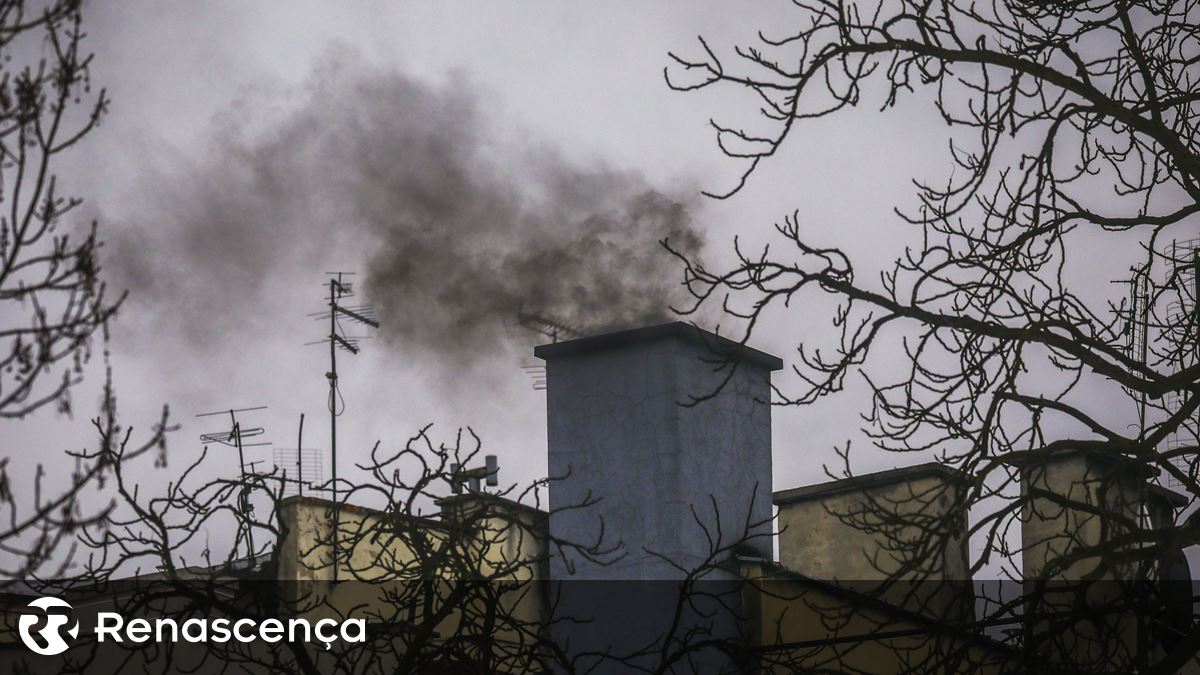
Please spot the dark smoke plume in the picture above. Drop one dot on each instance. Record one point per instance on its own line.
(461, 226)
(593, 266)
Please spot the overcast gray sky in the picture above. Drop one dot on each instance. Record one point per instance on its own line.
(227, 179)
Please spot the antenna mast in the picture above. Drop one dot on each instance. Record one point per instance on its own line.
(339, 290)
(235, 438)
(1139, 326)
(1184, 313)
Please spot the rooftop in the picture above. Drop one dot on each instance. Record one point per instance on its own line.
(870, 481)
(676, 330)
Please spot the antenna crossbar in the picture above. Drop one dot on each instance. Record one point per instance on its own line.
(357, 317)
(344, 343)
(231, 411)
(551, 328)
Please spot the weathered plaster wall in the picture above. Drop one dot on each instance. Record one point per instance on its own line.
(848, 535)
(1094, 500)
(618, 433)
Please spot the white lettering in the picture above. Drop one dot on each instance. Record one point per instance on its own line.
(138, 630)
(321, 634)
(201, 635)
(114, 627)
(220, 630)
(293, 624)
(166, 623)
(103, 627)
(360, 624)
(271, 630)
(237, 630)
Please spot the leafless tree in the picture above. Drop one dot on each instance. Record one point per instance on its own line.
(462, 589)
(53, 304)
(1069, 125)
(39, 534)
(51, 296)
(454, 583)
(447, 582)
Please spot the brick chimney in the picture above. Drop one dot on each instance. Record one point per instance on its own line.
(619, 432)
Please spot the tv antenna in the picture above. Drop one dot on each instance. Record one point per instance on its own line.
(304, 461)
(489, 473)
(235, 437)
(1137, 329)
(1183, 312)
(340, 289)
(547, 327)
(301, 468)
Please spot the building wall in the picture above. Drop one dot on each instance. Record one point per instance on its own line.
(618, 434)
(893, 534)
(798, 625)
(401, 559)
(842, 537)
(1087, 500)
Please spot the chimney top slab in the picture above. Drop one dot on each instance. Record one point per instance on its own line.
(720, 346)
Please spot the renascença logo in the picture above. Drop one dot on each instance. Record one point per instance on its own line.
(48, 625)
(112, 626)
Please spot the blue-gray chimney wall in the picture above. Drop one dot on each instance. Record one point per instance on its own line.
(619, 434)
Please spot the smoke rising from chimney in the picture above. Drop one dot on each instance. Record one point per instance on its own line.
(594, 269)
(456, 224)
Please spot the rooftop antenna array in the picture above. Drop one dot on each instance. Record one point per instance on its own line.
(489, 473)
(547, 327)
(301, 461)
(235, 437)
(1137, 329)
(340, 290)
(1185, 254)
(301, 468)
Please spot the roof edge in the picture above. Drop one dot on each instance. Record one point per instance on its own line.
(719, 345)
(484, 497)
(1171, 497)
(868, 481)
